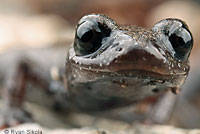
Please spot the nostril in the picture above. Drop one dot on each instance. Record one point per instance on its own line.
(118, 49)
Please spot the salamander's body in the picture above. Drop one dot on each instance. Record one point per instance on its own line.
(109, 65)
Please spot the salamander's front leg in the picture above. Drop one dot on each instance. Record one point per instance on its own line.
(20, 73)
(162, 110)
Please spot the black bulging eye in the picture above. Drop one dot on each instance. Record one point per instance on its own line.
(89, 36)
(182, 42)
(176, 37)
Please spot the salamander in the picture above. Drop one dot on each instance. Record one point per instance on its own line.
(110, 66)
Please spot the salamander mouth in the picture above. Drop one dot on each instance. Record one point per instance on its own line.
(131, 72)
(128, 79)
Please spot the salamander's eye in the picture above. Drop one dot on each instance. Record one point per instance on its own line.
(89, 36)
(177, 37)
(181, 41)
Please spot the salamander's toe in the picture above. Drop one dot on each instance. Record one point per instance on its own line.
(13, 117)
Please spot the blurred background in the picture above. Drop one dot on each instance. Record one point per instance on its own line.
(43, 23)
